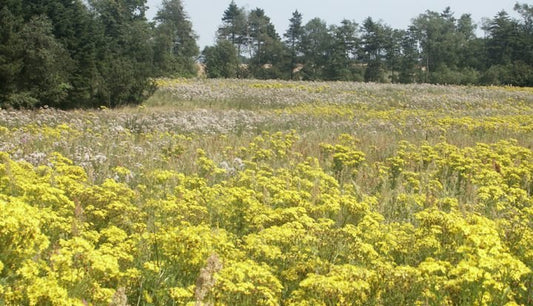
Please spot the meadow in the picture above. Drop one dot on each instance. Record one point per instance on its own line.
(246, 192)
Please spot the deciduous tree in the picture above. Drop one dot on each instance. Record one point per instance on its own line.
(221, 60)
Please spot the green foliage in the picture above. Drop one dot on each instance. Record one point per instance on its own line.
(175, 43)
(36, 66)
(234, 27)
(436, 48)
(126, 53)
(221, 60)
(265, 46)
(374, 36)
(75, 54)
(293, 41)
(78, 54)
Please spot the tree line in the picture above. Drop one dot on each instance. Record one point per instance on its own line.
(88, 53)
(435, 48)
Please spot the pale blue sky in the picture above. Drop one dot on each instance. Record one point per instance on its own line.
(206, 14)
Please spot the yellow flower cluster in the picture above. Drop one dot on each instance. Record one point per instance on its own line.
(444, 225)
(342, 194)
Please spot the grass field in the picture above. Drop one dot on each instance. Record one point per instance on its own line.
(245, 192)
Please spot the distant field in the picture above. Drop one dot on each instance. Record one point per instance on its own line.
(246, 192)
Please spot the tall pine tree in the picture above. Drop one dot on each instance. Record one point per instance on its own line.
(234, 27)
(175, 46)
(265, 45)
(293, 41)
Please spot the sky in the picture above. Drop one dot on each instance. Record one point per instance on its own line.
(206, 15)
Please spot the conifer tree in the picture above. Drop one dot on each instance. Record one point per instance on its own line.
(265, 45)
(175, 42)
(316, 42)
(293, 40)
(374, 39)
(234, 27)
(125, 61)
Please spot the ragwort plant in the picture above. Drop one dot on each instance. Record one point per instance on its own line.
(238, 192)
